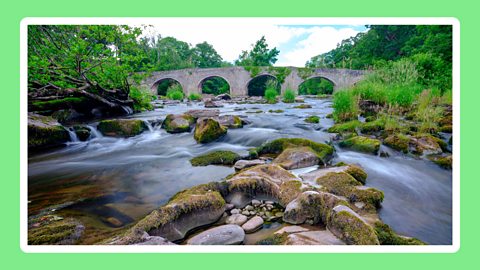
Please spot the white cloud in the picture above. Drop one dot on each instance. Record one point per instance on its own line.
(230, 38)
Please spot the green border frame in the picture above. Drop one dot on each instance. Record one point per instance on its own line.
(13, 257)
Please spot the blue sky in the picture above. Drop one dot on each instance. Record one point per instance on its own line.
(297, 43)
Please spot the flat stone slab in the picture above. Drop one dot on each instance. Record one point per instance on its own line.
(291, 229)
(236, 219)
(253, 224)
(312, 176)
(313, 238)
(222, 235)
(242, 164)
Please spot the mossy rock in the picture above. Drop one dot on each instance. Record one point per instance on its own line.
(62, 232)
(323, 151)
(297, 157)
(344, 184)
(178, 123)
(372, 126)
(303, 106)
(215, 158)
(442, 161)
(313, 119)
(230, 121)
(350, 227)
(361, 144)
(386, 236)
(83, 133)
(188, 209)
(122, 127)
(357, 172)
(423, 143)
(399, 142)
(276, 111)
(44, 131)
(446, 129)
(350, 126)
(208, 130)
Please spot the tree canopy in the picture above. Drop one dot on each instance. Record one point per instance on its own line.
(259, 55)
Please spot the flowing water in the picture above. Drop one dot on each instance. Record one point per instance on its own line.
(112, 182)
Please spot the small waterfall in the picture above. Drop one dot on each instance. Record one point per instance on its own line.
(149, 125)
(73, 135)
(127, 109)
(94, 133)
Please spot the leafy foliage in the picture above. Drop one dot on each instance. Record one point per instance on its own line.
(215, 86)
(316, 86)
(289, 96)
(142, 99)
(175, 92)
(194, 96)
(259, 55)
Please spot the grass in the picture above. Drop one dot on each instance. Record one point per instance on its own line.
(289, 96)
(175, 92)
(142, 99)
(345, 106)
(427, 112)
(194, 97)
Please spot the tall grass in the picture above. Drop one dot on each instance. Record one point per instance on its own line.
(345, 106)
(289, 96)
(175, 92)
(427, 112)
(194, 96)
(142, 99)
(271, 92)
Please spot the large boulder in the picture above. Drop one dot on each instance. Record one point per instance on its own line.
(273, 148)
(230, 121)
(268, 180)
(178, 123)
(189, 209)
(44, 131)
(122, 127)
(399, 142)
(361, 144)
(221, 235)
(324, 237)
(208, 130)
(297, 157)
(350, 227)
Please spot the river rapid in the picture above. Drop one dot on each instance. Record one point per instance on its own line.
(109, 183)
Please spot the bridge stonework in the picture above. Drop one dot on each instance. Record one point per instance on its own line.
(238, 78)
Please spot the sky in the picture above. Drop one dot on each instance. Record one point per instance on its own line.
(297, 43)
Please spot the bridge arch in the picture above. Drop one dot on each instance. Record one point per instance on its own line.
(161, 86)
(226, 88)
(316, 84)
(257, 85)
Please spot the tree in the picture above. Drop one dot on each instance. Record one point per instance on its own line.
(260, 55)
(205, 56)
(172, 54)
(88, 59)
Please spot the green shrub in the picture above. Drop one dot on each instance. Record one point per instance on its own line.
(289, 96)
(427, 113)
(271, 91)
(194, 96)
(175, 92)
(345, 106)
(142, 99)
(313, 119)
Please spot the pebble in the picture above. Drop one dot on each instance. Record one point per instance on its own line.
(237, 219)
(253, 224)
(249, 208)
(256, 202)
(235, 211)
(229, 206)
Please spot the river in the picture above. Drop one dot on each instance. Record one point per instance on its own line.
(110, 183)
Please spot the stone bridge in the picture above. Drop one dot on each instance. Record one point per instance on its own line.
(239, 78)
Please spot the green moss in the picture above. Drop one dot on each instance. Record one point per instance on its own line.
(289, 190)
(208, 130)
(387, 236)
(361, 144)
(254, 70)
(275, 239)
(343, 184)
(52, 233)
(442, 161)
(358, 173)
(353, 230)
(329, 116)
(372, 127)
(275, 147)
(275, 111)
(350, 126)
(303, 106)
(446, 129)
(215, 158)
(178, 123)
(83, 133)
(306, 72)
(58, 104)
(313, 119)
(399, 142)
(122, 127)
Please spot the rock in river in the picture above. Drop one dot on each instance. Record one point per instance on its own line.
(44, 131)
(242, 164)
(122, 127)
(208, 130)
(253, 224)
(297, 157)
(177, 123)
(222, 235)
(237, 219)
